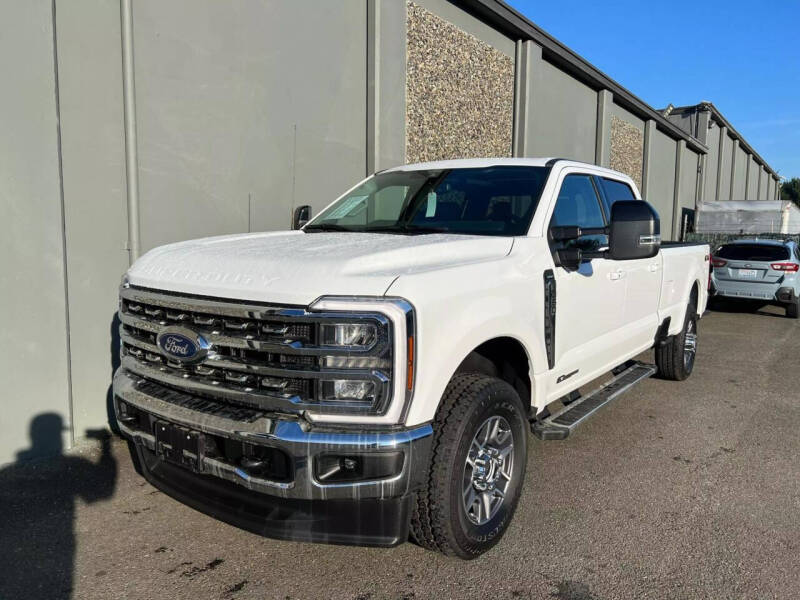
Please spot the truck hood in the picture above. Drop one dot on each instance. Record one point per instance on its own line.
(293, 267)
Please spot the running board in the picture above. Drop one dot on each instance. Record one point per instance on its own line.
(559, 425)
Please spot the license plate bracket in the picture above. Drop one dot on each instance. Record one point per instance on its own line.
(178, 445)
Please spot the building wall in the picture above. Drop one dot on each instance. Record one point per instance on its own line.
(459, 92)
(92, 149)
(563, 115)
(661, 186)
(626, 141)
(234, 128)
(33, 327)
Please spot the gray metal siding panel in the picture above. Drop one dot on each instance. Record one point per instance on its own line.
(739, 175)
(33, 329)
(688, 185)
(237, 128)
(710, 189)
(90, 92)
(392, 112)
(661, 190)
(727, 155)
(563, 115)
(764, 183)
(752, 181)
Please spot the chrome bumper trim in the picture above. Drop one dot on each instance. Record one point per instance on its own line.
(292, 437)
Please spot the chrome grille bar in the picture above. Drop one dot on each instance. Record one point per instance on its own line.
(259, 356)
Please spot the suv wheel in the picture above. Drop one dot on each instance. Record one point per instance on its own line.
(477, 467)
(675, 356)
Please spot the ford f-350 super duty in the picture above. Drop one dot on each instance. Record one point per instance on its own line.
(375, 372)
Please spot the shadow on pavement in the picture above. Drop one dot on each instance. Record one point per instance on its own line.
(735, 305)
(37, 510)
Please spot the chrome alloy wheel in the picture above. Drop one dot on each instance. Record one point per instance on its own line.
(488, 470)
(689, 345)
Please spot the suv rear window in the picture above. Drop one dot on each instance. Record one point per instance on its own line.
(753, 252)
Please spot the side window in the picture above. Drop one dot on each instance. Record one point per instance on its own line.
(578, 204)
(615, 190)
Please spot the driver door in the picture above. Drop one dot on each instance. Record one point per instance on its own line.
(590, 299)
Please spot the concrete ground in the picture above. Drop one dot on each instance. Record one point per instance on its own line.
(676, 490)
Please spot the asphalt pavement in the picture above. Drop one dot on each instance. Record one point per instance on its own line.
(676, 490)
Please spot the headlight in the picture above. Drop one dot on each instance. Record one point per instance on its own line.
(367, 358)
(360, 335)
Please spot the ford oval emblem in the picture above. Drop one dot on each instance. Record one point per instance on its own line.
(183, 345)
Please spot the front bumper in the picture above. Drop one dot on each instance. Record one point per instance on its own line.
(298, 505)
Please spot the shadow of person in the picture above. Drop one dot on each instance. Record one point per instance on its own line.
(37, 510)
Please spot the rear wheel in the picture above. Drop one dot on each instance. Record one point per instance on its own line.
(675, 356)
(477, 467)
(793, 309)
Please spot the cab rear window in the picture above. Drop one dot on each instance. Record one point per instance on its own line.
(753, 252)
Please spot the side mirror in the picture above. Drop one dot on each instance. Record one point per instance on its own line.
(635, 231)
(302, 215)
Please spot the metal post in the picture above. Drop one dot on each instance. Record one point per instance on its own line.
(676, 197)
(373, 85)
(733, 168)
(604, 100)
(723, 135)
(649, 134)
(129, 109)
(747, 177)
(527, 56)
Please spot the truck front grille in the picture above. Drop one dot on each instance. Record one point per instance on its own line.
(261, 356)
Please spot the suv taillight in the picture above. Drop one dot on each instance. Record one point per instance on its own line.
(788, 267)
(718, 262)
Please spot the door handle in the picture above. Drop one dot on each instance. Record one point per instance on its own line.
(616, 275)
(653, 267)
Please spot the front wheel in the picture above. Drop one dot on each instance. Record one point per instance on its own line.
(477, 467)
(675, 356)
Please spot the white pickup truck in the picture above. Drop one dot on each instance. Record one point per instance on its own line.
(375, 372)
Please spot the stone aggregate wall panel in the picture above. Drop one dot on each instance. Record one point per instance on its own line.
(459, 92)
(627, 149)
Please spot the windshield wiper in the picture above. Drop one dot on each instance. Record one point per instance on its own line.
(326, 227)
(407, 229)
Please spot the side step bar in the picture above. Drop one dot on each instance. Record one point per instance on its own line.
(559, 425)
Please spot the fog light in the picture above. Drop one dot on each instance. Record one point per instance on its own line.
(333, 468)
(348, 390)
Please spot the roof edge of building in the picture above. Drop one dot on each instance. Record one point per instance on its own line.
(721, 120)
(509, 21)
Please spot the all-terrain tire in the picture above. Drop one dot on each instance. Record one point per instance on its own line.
(671, 358)
(439, 519)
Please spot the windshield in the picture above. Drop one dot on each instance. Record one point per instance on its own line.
(485, 201)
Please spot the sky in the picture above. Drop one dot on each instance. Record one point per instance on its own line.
(742, 56)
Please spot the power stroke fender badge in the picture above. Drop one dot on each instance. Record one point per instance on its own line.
(183, 345)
